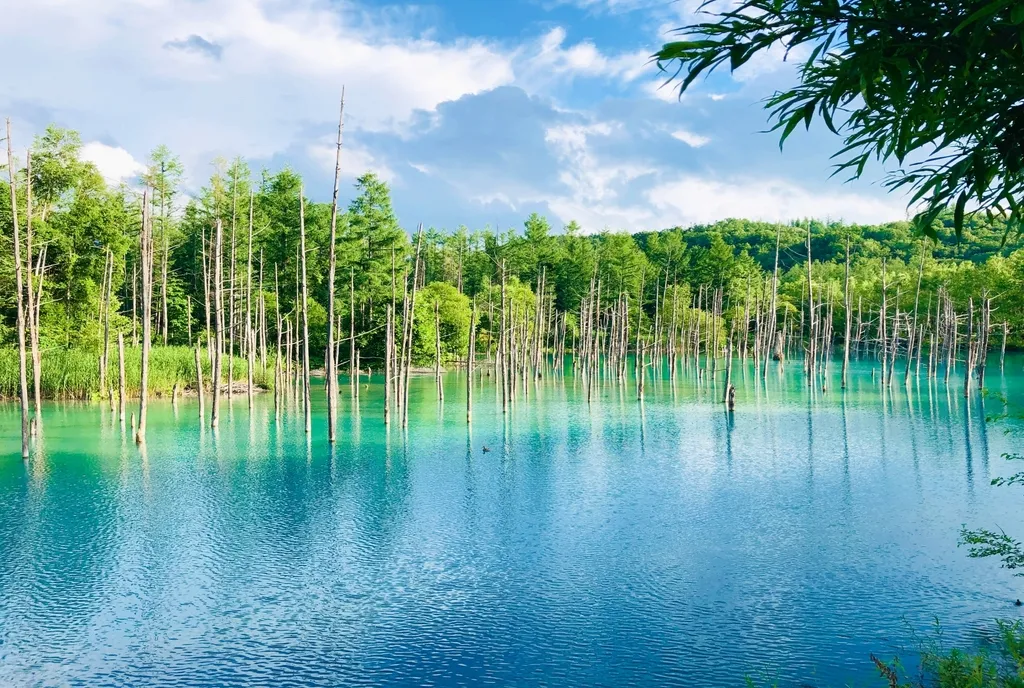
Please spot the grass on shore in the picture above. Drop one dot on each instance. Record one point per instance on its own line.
(75, 373)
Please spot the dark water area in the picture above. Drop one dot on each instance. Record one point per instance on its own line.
(602, 543)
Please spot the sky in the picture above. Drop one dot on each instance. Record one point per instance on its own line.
(477, 112)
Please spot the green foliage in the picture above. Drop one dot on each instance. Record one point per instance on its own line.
(998, 664)
(453, 312)
(935, 87)
(75, 373)
(79, 218)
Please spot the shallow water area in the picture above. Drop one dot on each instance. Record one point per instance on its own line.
(608, 542)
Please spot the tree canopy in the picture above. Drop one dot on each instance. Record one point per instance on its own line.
(935, 85)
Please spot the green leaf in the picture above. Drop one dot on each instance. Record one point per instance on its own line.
(958, 214)
(794, 120)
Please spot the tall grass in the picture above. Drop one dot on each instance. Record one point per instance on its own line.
(75, 373)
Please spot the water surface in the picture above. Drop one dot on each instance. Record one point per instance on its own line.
(608, 543)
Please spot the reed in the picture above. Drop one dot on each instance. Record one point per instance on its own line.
(74, 373)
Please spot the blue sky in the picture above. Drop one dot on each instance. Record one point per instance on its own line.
(476, 112)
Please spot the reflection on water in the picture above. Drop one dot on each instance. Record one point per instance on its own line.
(609, 542)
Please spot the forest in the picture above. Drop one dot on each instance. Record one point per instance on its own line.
(86, 287)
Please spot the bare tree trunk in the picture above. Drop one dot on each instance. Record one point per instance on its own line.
(231, 293)
(34, 301)
(470, 355)
(163, 270)
(437, 350)
(104, 322)
(353, 373)
(969, 348)
(199, 385)
(263, 321)
(412, 320)
(307, 410)
(772, 315)
(135, 300)
(207, 269)
(22, 363)
(913, 324)
(848, 307)
(146, 251)
(810, 314)
(501, 344)
(1002, 353)
(331, 361)
(389, 346)
(883, 334)
(278, 379)
(163, 231)
(250, 337)
(218, 319)
(728, 370)
(121, 401)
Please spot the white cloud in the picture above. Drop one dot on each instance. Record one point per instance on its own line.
(667, 92)
(551, 57)
(116, 165)
(590, 179)
(689, 138)
(230, 77)
(689, 200)
(355, 160)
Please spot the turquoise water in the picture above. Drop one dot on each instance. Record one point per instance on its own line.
(608, 543)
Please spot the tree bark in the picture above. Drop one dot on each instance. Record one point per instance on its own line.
(331, 367)
(307, 410)
(19, 285)
(146, 251)
(218, 321)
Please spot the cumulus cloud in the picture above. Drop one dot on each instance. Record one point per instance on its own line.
(691, 199)
(115, 164)
(689, 138)
(355, 160)
(552, 57)
(142, 71)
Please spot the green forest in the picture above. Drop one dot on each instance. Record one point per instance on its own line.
(82, 238)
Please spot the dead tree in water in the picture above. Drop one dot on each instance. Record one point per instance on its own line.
(305, 314)
(278, 372)
(1002, 353)
(913, 325)
(250, 337)
(146, 250)
(883, 333)
(848, 307)
(389, 347)
(218, 322)
(199, 384)
(437, 350)
(408, 329)
(331, 363)
(810, 313)
(353, 369)
(969, 348)
(773, 313)
(470, 355)
(120, 379)
(34, 300)
(22, 362)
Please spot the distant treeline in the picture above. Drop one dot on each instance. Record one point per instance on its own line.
(79, 223)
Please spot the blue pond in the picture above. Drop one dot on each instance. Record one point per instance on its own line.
(609, 543)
